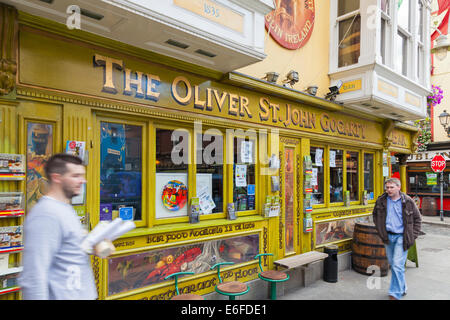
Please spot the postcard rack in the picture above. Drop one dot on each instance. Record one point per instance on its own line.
(12, 205)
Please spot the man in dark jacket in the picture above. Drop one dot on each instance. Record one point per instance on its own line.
(398, 223)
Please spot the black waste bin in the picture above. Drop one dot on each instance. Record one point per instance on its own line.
(330, 268)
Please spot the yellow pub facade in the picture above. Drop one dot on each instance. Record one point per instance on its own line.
(157, 132)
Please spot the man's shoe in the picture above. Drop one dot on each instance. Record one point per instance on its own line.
(392, 298)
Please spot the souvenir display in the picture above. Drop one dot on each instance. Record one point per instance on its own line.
(194, 213)
(8, 281)
(307, 190)
(10, 237)
(174, 195)
(12, 166)
(347, 198)
(231, 213)
(11, 203)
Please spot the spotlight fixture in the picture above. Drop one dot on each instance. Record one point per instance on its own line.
(312, 90)
(271, 77)
(334, 91)
(291, 78)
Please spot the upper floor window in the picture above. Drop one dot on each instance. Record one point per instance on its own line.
(384, 36)
(349, 20)
(404, 15)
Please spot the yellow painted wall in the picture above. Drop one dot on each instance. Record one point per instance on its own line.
(441, 78)
(310, 61)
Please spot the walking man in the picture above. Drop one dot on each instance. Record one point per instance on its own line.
(398, 223)
(54, 265)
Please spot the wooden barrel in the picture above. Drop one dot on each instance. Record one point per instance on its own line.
(429, 206)
(368, 250)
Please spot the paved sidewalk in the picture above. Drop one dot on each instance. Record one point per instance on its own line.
(431, 281)
(436, 220)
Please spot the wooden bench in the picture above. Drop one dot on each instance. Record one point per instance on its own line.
(302, 260)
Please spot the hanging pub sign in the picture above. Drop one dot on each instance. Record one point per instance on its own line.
(291, 23)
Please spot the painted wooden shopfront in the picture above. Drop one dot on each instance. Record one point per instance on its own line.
(128, 104)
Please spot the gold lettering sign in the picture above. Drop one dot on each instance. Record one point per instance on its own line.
(349, 86)
(146, 86)
(214, 12)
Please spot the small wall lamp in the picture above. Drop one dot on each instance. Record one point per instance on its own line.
(444, 119)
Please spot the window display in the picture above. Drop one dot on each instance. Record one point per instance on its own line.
(121, 167)
(171, 182)
(336, 175)
(210, 170)
(317, 156)
(151, 267)
(369, 174)
(244, 174)
(352, 174)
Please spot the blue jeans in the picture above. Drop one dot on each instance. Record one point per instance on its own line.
(397, 258)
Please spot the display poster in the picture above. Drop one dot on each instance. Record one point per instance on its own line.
(332, 159)
(171, 195)
(289, 200)
(204, 191)
(76, 148)
(318, 157)
(143, 269)
(241, 175)
(205, 200)
(247, 151)
(431, 179)
(39, 150)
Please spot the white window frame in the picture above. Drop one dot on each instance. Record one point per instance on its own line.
(387, 17)
(408, 34)
(419, 45)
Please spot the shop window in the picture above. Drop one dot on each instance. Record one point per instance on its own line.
(352, 174)
(369, 174)
(172, 165)
(244, 179)
(349, 21)
(317, 181)
(209, 162)
(427, 182)
(336, 175)
(121, 167)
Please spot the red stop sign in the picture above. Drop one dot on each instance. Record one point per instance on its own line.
(438, 163)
